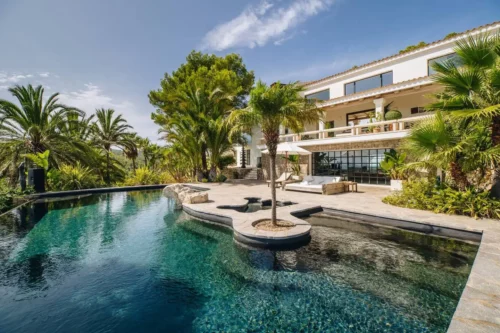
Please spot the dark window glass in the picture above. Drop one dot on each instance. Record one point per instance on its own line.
(449, 57)
(349, 88)
(356, 165)
(417, 109)
(386, 79)
(368, 83)
(323, 95)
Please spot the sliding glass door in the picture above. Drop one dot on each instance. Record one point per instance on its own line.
(361, 166)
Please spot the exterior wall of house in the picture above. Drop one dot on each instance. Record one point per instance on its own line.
(411, 87)
(407, 66)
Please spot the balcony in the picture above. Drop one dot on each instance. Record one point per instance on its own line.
(389, 129)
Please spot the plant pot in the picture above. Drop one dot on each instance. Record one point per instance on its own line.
(36, 179)
(396, 185)
(376, 130)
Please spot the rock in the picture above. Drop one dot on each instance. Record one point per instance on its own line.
(195, 198)
(183, 194)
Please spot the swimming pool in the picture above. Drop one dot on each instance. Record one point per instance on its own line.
(127, 262)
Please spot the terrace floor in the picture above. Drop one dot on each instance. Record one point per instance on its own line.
(479, 306)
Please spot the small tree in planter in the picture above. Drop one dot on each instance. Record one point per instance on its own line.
(392, 165)
(393, 115)
(270, 107)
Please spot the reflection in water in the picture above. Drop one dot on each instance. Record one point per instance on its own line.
(127, 262)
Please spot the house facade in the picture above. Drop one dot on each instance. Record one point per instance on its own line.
(353, 135)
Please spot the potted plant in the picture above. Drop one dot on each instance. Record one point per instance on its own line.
(377, 117)
(394, 114)
(392, 165)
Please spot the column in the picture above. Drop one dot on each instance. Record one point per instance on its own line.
(379, 110)
(321, 127)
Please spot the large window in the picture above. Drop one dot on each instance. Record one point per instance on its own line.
(323, 95)
(449, 57)
(372, 82)
(361, 166)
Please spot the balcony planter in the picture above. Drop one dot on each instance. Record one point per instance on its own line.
(396, 185)
(393, 115)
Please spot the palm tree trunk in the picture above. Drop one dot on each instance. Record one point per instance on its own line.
(272, 163)
(459, 177)
(204, 164)
(495, 175)
(133, 165)
(495, 130)
(107, 168)
(272, 140)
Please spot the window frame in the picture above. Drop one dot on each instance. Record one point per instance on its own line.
(317, 92)
(369, 77)
(430, 59)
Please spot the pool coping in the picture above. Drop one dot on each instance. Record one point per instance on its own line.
(95, 191)
(478, 309)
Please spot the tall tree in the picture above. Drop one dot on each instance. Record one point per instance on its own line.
(110, 131)
(131, 150)
(200, 114)
(190, 94)
(34, 126)
(472, 85)
(272, 106)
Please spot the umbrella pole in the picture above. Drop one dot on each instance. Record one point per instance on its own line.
(286, 163)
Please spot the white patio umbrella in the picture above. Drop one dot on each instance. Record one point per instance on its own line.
(288, 148)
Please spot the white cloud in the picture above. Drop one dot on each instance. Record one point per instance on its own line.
(45, 74)
(92, 97)
(257, 25)
(4, 87)
(13, 78)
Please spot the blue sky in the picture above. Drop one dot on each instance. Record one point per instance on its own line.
(111, 53)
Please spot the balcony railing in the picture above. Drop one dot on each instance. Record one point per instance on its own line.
(379, 127)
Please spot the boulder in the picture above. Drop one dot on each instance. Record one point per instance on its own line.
(195, 198)
(183, 194)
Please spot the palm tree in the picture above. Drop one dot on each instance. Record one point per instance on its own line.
(199, 124)
(131, 150)
(145, 145)
(109, 131)
(444, 142)
(217, 137)
(472, 84)
(270, 107)
(34, 125)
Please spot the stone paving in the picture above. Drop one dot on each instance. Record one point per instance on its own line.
(479, 306)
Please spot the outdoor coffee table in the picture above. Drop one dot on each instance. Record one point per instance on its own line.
(350, 186)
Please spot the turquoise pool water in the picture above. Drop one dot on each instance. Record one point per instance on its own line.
(126, 262)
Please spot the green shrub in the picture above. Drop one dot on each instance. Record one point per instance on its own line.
(221, 178)
(8, 194)
(72, 177)
(204, 180)
(422, 194)
(142, 176)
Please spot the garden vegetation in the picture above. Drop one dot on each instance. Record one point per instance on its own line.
(461, 142)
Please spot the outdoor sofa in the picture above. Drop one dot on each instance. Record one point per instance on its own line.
(318, 184)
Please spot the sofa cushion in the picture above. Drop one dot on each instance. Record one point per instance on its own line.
(305, 188)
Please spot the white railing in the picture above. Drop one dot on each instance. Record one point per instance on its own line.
(355, 130)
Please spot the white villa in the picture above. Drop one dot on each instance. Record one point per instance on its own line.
(353, 135)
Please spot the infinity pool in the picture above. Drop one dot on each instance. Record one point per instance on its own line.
(126, 262)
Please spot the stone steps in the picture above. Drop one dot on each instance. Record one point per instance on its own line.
(252, 175)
